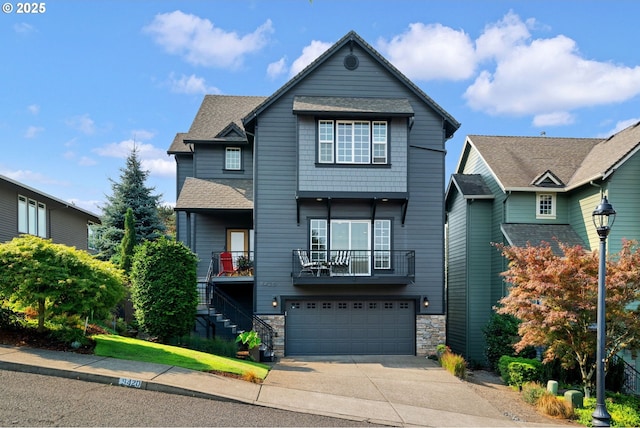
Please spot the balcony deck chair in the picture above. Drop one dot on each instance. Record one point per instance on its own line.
(226, 264)
(307, 266)
(340, 263)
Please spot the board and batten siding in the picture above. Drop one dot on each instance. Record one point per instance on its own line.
(277, 232)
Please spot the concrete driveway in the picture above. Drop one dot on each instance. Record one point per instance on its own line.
(398, 390)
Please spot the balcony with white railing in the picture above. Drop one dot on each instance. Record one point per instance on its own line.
(386, 267)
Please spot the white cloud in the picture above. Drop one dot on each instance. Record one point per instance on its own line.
(277, 68)
(433, 51)
(29, 177)
(92, 206)
(33, 131)
(199, 42)
(547, 78)
(82, 123)
(23, 28)
(309, 54)
(623, 124)
(34, 109)
(165, 167)
(86, 161)
(553, 119)
(191, 85)
(152, 159)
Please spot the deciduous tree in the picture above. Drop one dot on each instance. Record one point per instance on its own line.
(555, 297)
(57, 279)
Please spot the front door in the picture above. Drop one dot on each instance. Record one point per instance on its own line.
(240, 243)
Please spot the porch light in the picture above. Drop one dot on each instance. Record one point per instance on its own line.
(274, 302)
(603, 217)
(425, 301)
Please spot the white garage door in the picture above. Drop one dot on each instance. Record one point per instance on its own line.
(350, 327)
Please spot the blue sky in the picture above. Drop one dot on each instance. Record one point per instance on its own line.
(84, 80)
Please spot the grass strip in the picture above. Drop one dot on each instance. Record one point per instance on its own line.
(127, 348)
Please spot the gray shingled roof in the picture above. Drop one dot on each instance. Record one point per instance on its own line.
(199, 194)
(472, 186)
(606, 156)
(518, 161)
(520, 235)
(217, 112)
(450, 124)
(216, 116)
(393, 106)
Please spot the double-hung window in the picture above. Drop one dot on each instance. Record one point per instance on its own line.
(233, 158)
(32, 217)
(355, 142)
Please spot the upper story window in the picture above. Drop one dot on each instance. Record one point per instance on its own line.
(546, 205)
(32, 217)
(352, 142)
(233, 158)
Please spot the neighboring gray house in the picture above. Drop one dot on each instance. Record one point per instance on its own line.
(519, 190)
(27, 210)
(321, 208)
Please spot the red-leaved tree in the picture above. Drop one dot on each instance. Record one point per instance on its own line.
(555, 297)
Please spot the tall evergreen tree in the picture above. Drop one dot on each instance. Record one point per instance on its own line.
(128, 241)
(129, 192)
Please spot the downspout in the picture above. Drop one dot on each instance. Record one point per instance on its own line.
(503, 261)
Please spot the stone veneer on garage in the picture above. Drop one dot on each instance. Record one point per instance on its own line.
(430, 332)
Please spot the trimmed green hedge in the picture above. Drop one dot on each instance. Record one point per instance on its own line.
(516, 371)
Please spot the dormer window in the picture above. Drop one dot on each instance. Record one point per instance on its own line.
(357, 142)
(546, 205)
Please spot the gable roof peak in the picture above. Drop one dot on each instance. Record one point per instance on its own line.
(450, 124)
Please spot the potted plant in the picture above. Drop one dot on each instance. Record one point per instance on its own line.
(244, 264)
(250, 344)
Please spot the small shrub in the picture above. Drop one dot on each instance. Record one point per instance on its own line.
(532, 391)
(516, 371)
(624, 410)
(10, 319)
(454, 364)
(553, 406)
(249, 338)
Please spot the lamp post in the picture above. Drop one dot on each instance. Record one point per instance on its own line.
(603, 218)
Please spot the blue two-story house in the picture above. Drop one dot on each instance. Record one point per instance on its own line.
(519, 190)
(318, 211)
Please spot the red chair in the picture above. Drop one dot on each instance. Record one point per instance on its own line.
(226, 264)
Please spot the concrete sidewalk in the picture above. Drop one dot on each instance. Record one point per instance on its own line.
(389, 390)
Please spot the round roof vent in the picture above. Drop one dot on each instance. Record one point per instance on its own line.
(351, 62)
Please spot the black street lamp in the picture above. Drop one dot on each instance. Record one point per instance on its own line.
(603, 218)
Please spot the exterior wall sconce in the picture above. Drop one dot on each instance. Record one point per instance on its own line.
(274, 302)
(425, 302)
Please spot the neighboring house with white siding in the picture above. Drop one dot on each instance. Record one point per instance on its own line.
(24, 209)
(519, 190)
(317, 212)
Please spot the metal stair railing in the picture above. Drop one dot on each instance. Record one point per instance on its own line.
(244, 321)
(631, 376)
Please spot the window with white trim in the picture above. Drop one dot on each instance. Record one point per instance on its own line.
(32, 217)
(233, 158)
(546, 205)
(357, 142)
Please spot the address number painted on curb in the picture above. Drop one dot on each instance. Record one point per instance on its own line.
(131, 383)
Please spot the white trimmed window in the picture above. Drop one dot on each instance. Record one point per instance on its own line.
(32, 217)
(546, 205)
(233, 158)
(352, 142)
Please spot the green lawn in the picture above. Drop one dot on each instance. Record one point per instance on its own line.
(127, 348)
